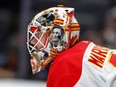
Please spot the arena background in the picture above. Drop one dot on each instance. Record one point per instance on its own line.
(97, 19)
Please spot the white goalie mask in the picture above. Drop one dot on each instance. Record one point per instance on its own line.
(49, 33)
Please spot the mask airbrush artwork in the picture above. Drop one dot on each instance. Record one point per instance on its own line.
(49, 33)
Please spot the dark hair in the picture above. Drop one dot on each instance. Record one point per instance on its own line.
(58, 26)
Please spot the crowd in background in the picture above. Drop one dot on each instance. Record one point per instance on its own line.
(97, 20)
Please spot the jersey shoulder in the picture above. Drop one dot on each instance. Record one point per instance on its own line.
(67, 65)
(71, 55)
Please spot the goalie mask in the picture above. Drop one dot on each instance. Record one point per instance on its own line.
(49, 33)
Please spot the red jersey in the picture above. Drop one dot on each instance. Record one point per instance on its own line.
(85, 64)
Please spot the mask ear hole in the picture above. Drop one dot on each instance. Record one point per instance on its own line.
(66, 10)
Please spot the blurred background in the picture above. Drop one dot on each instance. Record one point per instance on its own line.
(97, 19)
